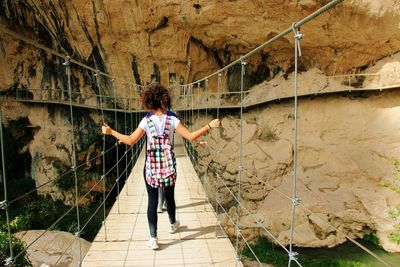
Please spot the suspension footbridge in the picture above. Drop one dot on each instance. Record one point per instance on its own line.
(201, 239)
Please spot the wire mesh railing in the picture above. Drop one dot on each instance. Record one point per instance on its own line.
(128, 157)
(190, 99)
(227, 176)
(79, 99)
(184, 95)
(272, 91)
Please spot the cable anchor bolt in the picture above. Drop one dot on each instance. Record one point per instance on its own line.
(3, 205)
(73, 168)
(296, 201)
(77, 234)
(238, 231)
(242, 61)
(67, 61)
(298, 36)
(8, 262)
(241, 168)
(292, 256)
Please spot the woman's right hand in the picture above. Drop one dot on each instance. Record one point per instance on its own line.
(105, 129)
(214, 123)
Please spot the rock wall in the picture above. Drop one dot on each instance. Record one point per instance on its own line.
(51, 149)
(133, 40)
(345, 143)
(346, 147)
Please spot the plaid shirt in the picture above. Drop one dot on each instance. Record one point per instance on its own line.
(160, 166)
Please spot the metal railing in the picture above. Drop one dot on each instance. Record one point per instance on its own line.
(88, 100)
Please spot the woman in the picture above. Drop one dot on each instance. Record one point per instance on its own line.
(160, 164)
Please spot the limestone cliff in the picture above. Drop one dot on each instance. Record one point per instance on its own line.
(133, 40)
(345, 143)
(348, 156)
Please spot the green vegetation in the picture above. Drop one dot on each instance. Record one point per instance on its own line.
(270, 253)
(394, 235)
(372, 238)
(17, 246)
(394, 183)
(89, 139)
(43, 212)
(38, 212)
(66, 183)
(394, 212)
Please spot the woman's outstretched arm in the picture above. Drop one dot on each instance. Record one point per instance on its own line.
(126, 139)
(192, 136)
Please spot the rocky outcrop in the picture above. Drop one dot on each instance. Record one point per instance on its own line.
(346, 148)
(48, 250)
(133, 40)
(345, 143)
(50, 149)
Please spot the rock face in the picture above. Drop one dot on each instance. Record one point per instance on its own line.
(47, 251)
(345, 144)
(133, 40)
(51, 148)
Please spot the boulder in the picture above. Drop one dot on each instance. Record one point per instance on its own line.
(49, 248)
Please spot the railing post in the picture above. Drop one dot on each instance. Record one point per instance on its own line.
(349, 80)
(295, 200)
(241, 168)
(4, 203)
(126, 146)
(218, 155)
(116, 144)
(99, 102)
(206, 184)
(132, 125)
(73, 160)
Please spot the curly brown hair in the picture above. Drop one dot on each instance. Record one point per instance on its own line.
(156, 96)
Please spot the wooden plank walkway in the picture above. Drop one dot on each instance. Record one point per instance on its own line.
(194, 244)
(265, 98)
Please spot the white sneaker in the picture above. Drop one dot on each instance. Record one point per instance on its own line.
(153, 243)
(173, 227)
(159, 210)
